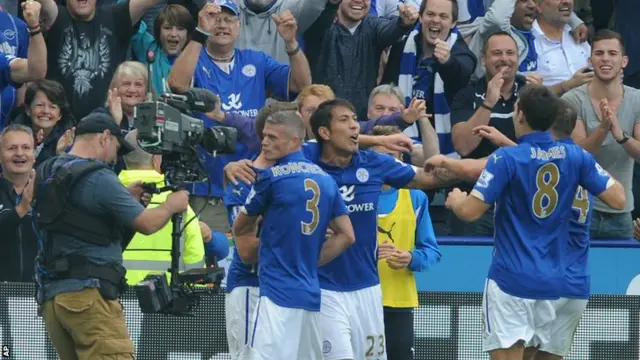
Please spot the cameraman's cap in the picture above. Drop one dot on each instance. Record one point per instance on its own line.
(229, 5)
(96, 123)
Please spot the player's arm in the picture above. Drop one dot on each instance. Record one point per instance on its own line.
(245, 230)
(601, 184)
(435, 179)
(465, 169)
(426, 252)
(490, 185)
(245, 227)
(400, 175)
(342, 234)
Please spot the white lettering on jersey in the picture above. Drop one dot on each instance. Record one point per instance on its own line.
(234, 103)
(556, 152)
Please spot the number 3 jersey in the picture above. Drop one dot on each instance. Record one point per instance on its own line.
(533, 186)
(297, 200)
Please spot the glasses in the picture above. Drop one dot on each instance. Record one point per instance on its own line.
(230, 20)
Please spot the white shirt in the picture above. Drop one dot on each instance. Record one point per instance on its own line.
(559, 60)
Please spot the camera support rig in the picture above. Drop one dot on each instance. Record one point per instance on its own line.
(155, 294)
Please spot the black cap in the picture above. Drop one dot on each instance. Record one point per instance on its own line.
(96, 123)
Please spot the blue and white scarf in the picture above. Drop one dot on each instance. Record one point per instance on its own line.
(441, 110)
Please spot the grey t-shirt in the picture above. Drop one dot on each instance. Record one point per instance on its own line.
(612, 156)
(101, 194)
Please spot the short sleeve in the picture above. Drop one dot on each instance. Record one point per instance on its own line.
(114, 199)
(339, 207)
(276, 76)
(592, 176)
(396, 173)
(258, 199)
(462, 107)
(494, 178)
(23, 39)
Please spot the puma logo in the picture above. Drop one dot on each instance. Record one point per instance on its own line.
(387, 232)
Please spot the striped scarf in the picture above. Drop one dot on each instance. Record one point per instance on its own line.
(441, 110)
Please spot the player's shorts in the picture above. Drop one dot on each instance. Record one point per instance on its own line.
(352, 324)
(240, 304)
(284, 333)
(507, 319)
(562, 329)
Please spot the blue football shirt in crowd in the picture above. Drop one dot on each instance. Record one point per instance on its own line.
(297, 200)
(577, 277)
(533, 186)
(14, 40)
(239, 273)
(360, 185)
(243, 90)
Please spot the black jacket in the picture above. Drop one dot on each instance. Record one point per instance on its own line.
(18, 242)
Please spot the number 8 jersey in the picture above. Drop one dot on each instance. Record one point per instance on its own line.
(533, 186)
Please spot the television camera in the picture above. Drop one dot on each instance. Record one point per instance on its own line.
(167, 126)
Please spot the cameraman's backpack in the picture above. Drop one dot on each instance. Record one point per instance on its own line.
(55, 213)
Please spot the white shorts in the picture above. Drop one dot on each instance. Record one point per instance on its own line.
(352, 324)
(507, 319)
(284, 333)
(240, 304)
(563, 328)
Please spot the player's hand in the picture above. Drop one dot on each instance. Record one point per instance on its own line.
(240, 170)
(533, 78)
(492, 134)
(636, 229)
(399, 259)
(433, 162)
(329, 233)
(493, 88)
(441, 52)
(286, 25)
(580, 78)
(581, 33)
(417, 109)
(206, 16)
(454, 197)
(397, 142)
(31, 13)
(178, 201)
(385, 250)
(205, 230)
(408, 14)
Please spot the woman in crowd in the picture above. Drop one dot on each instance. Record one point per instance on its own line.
(46, 111)
(171, 32)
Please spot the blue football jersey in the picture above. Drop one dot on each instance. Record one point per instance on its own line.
(5, 70)
(297, 201)
(577, 277)
(239, 273)
(243, 90)
(14, 40)
(360, 185)
(533, 186)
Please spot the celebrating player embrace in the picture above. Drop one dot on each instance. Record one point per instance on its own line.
(534, 186)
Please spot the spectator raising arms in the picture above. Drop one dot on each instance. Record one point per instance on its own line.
(88, 44)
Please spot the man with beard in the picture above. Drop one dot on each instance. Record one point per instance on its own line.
(488, 101)
(608, 127)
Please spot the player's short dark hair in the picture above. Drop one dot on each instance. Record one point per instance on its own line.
(454, 9)
(291, 121)
(269, 110)
(606, 34)
(324, 114)
(566, 119)
(485, 46)
(384, 130)
(539, 105)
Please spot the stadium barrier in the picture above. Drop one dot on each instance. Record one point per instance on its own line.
(447, 327)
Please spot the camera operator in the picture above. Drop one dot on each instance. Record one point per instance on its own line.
(18, 247)
(80, 273)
